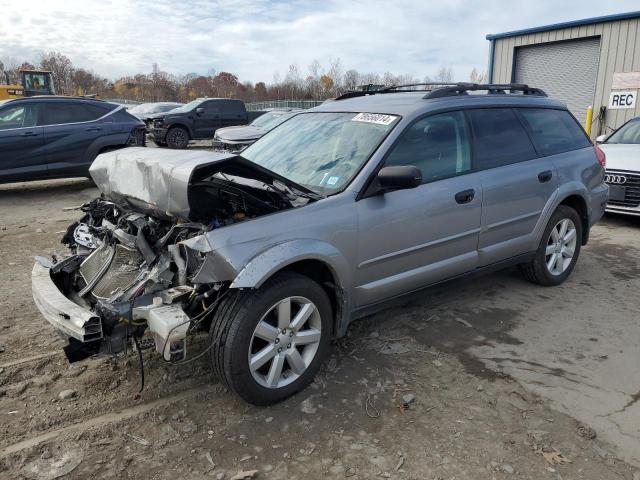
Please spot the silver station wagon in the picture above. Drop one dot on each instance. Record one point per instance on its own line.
(270, 254)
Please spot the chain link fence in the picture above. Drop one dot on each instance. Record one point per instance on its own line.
(252, 106)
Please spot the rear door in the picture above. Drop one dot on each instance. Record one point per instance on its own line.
(412, 238)
(517, 183)
(233, 113)
(69, 130)
(21, 143)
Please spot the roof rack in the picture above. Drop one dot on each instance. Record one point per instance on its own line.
(440, 89)
(409, 87)
(492, 88)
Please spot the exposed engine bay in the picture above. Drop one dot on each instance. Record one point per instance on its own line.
(129, 268)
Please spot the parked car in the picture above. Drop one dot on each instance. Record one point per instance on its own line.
(623, 167)
(332, 215)
(147, 112)
(53, 137)
(199, 119)
(236, 139)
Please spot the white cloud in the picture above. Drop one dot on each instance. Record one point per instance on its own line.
(256, 38)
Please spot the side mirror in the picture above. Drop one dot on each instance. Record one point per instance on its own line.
(601, 138)
(199, 110)
(399, 177)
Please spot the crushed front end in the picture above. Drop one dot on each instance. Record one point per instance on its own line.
(129, 278)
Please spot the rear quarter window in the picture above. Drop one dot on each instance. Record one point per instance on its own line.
(499, 138)
(59, 113)
(553, 131)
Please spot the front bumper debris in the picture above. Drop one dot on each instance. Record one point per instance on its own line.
(66, 316)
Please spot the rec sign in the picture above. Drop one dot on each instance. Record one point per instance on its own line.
(623, 99)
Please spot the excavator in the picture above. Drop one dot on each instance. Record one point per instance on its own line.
(32, 82)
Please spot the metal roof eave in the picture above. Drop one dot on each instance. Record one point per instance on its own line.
(573, 23)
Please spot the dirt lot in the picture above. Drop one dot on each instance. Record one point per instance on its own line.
(509, 380)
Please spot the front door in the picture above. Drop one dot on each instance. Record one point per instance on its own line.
(411, 238)
(209, 120)
(21, 143)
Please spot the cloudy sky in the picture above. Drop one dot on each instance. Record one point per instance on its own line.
(255, 38)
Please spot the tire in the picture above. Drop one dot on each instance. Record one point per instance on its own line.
(160, 144)
(236, 338)
(178, 138)
(543, 270)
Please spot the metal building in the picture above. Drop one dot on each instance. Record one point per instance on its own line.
(592, 62)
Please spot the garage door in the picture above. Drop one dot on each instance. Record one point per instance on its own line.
(565, 70)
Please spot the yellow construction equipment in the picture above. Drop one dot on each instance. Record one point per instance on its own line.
(32, 82)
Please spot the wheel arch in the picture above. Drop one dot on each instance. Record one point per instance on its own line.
(317, 260)
(579, 204)
(184, 126)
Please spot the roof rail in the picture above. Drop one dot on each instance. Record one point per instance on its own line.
(492, 88)
(409, 87)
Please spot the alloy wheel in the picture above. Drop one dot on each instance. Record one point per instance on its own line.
(285, 342)
(561, 247)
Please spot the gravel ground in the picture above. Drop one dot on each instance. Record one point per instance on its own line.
(499, 377)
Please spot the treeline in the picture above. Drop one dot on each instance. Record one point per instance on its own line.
(314, 83)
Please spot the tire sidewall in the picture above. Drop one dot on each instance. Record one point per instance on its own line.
(170, 138)
(236, 361)
(540, 265)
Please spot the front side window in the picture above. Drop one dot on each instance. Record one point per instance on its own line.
(499, 138)
(20, 116)
(438, 145)
(553, 131)
(628, 133)
(321, 151)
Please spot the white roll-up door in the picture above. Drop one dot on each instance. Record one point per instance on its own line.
(565, 70)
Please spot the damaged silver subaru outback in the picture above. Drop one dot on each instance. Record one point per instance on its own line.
(270, 254)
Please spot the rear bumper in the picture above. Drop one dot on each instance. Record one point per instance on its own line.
(67, 317)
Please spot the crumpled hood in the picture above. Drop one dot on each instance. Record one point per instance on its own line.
(153, 179)
(622, 156)
(241, 133)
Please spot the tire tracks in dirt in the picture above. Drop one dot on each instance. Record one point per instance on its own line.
(100, 420)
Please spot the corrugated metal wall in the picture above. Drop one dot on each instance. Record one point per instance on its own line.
(619, 52)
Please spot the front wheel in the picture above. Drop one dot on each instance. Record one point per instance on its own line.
(269, 343)
(177, 137)
(558, 251)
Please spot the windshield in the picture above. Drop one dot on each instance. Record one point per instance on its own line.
(628, 133)
(321, 151)
(187, 107)
(270, 120)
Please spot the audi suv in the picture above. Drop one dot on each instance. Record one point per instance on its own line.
(622, 148)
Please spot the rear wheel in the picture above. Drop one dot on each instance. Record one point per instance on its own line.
(177, 137)
(269, 343)
(558, 251)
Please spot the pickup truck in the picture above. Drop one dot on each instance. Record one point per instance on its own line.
(199, 119)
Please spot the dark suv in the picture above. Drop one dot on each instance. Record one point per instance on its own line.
(54, 137)
(199, 119)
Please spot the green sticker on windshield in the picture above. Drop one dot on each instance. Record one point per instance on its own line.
(379, 118)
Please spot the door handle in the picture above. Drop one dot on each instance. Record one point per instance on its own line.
(465, 196)
(545, 176)
(93, 129)
(29, 134)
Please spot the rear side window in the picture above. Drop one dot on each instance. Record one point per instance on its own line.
(62, 112)
(234, 106)
(499, 138)
(553, 131)
(438, 145)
